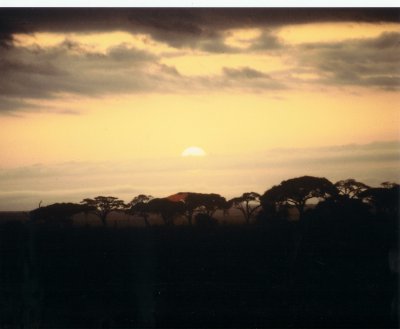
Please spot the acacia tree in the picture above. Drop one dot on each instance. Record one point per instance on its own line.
(210, 203)
(61, 213)
(200, 203)
(350, 188)
(103, 205)
(297, 191)
(384, 199)
(191, 203)
(389, 185)
(167, 209)
(139, 206)
(203, 203)
(247, 204)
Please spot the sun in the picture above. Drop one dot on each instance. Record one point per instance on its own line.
(193, 151)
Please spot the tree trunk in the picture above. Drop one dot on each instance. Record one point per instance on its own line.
(302, 232)
(189, 217)
(146, 220)
(247, 217)
(300, 208)
(104, 219)
(167, 220)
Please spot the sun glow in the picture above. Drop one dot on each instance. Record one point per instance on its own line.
(193, 151)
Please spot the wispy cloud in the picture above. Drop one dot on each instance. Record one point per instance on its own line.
(71, 67)
(45, 73)
(369, 62)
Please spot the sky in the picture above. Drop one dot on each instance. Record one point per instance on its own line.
(104, 101)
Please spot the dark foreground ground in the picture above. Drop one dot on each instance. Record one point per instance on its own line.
(335, 275)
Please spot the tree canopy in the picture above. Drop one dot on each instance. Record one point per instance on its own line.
(166, 208)
(385, 200)
(138, 206)
(58, 212)
(350, 187)
(103, 205)
(275, 202)
(248, 203)
(205, 203)
(297, 191)
(211, 203)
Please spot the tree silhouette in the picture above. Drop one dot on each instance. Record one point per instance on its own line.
(167, 209)
(211, 202)
(205, 203)
(389, 184)
(344, 209)
(139, 206)
(350, 187)
(385, 200)
(61, 213)
(205, 221)
(192, 201)
(103, 205)
(247, 204)
(297, 191)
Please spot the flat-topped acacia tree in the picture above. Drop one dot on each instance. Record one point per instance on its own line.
(103, 205)
(139, 206)
(60, 213)
(384, 199)
(166, 208)
(211, 203)
(206, 203)
(350, 188)
(248, 204)
(297, 191)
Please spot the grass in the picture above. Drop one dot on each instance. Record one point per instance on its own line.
(225, 276)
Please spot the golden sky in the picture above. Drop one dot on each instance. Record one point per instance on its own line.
(140, 91)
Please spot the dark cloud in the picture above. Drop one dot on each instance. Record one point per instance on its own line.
(169, 70)
(244, 73)
(188, 20)
(371, 62)
(6, 40)
(12, 106)
(247, 79)
(183, 28)
(36, 73)
(267, 41)
(385, 40)
(122, 55)
(29, 73)
(179, 27)
(215, 45)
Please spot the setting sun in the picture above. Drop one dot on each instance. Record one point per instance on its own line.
(193, 151)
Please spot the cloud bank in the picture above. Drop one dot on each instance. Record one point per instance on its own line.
(36, 72)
